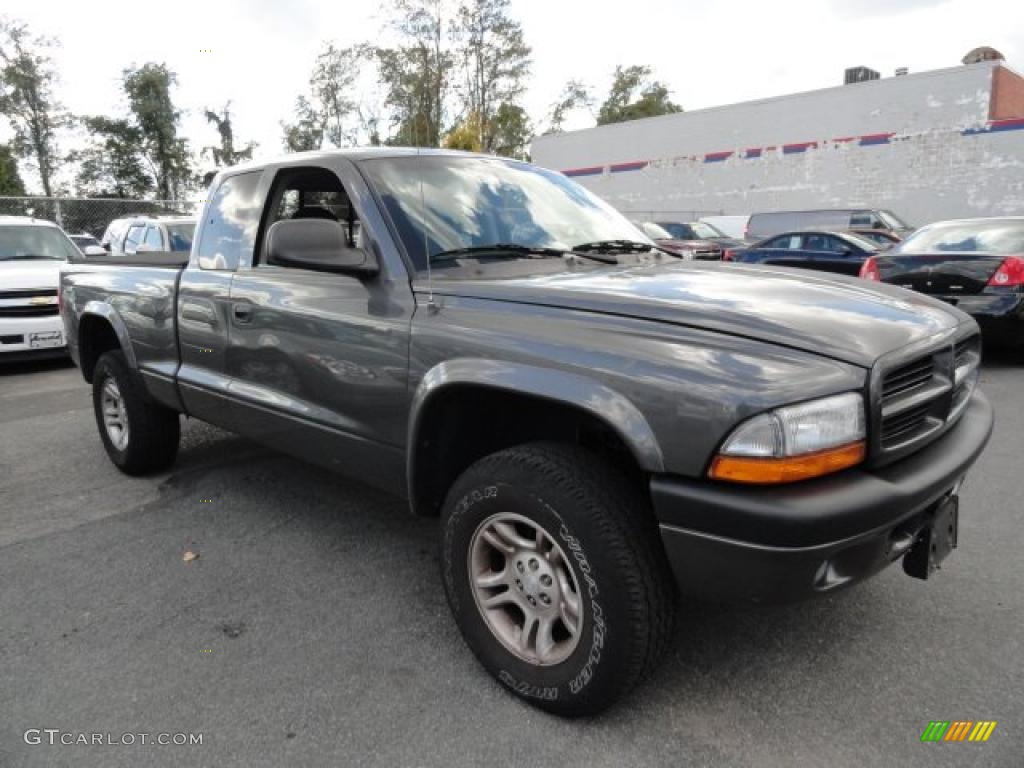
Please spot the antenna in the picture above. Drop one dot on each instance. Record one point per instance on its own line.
(423, 224)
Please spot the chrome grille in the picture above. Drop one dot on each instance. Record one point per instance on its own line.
(28, 303)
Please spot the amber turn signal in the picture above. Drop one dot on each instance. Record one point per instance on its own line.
(740, 469)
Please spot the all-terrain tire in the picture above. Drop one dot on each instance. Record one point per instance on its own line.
(606, 532)
(150, 442)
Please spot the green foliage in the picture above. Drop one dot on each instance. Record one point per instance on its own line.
(415, 75)
(10, 180)
(27, 100)
(511, 132)
(166, 154)
(112, 164)
(226, 154)
(575, 95)
(495, 62)
(328, 114)
(634, 95)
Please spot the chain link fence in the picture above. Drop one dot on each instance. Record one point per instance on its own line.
(91, 214)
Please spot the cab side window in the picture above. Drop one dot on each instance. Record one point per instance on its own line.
(232, 220)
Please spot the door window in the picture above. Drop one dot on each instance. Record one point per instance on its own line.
(312, 193)
(154, 239)
(134, 237)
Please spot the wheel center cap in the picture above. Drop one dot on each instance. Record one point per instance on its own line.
(534, 578)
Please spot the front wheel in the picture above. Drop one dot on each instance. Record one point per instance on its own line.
(554, 572)
(138, 434)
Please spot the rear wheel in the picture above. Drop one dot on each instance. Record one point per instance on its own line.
(139, 435)
(555, 574)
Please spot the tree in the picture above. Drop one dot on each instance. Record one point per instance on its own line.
(306, 132)
(465, 135)
(113, 163)
(495, 60)
(10, 180)
(226, 154)
(166, 155)
(511, 132)
(575, 95)
(27, 80)
(416, 74)
(634, 95)
(328, 114)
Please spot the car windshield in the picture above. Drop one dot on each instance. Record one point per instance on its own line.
(862, 242)
(678, 230)
(705, 231)
(1002, 238)
(443, 203)
(655, 231)
(892, 220)
(30, 243)
(181, 236)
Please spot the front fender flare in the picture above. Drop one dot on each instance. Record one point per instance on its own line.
(559, 386)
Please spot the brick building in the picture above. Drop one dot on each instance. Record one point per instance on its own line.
(930, 145)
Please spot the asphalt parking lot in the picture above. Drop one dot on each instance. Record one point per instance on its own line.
(313, 631)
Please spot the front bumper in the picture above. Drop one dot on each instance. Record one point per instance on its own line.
(16, 333)
(783, 543)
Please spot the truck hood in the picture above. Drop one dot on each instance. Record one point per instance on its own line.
(845, 318)
(25, 275)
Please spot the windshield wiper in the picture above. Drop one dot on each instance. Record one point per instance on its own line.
(514, 251)
(616, 246)
(498, 250)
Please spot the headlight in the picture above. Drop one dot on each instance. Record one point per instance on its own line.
(795, 443)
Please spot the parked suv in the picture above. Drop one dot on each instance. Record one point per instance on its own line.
(31, 253)
(762, 225)
(141, 234)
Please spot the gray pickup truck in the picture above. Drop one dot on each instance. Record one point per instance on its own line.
(596, 422)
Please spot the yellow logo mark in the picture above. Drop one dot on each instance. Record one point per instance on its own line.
(40, 300)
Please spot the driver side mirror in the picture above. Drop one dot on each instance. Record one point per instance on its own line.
(94, 250)
(317, 244)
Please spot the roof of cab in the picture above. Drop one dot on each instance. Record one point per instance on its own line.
(354, 153)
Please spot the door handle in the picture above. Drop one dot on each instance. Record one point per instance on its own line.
(242, 312)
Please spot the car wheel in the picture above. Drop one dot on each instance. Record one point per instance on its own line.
(555, 574)
(139, 435)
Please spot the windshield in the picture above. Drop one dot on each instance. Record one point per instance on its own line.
(892, 220)
(862, 242)
(470, 202)
(180, 236)
(696, 230)
(30, 243)
(1003, 238)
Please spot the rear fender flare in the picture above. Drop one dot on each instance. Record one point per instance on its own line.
(104, 310)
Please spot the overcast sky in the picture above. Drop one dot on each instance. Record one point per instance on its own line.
(708, 52)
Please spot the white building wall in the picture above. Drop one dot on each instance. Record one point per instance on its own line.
(929, 152)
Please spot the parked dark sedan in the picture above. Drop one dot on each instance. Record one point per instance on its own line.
(975, 264)
(700, 231)
(824, 251)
